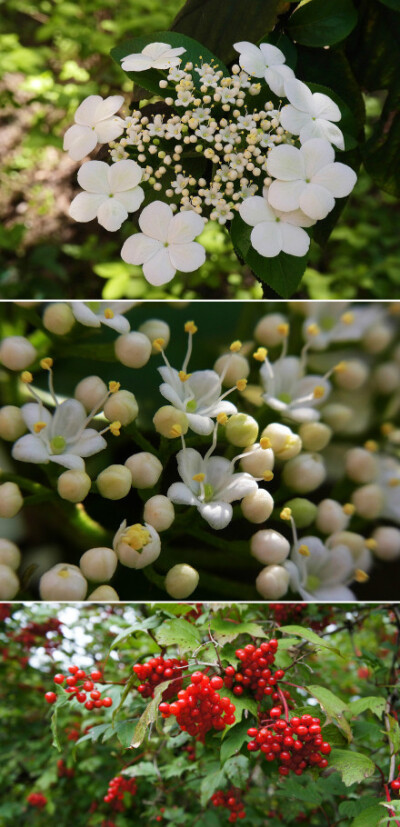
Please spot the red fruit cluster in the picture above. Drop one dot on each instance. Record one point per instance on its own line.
(35, 634)
(200, 708)
(232, 801)
(82, 687)
(191, 751)
(5, 611)
(254, 672)
(196, 612)
(117, 788)
(156, 671)
(296, 744)
(37, 800)
(284, 612)
(395, 784)
(63, 771)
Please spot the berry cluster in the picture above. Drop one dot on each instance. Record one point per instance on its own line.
(232, 801)
(37, 800)
(284, 612)
(35, 634)
(157, 670)
(5, 611)
(191, 751)
(199, 707)
(395, 784)
(254, 672)
(63, 771)
(296, 744)
(117, 788)
(80, 690)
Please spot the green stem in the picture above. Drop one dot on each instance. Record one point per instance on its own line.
(27, 485)
(132, 431)
(153, 577)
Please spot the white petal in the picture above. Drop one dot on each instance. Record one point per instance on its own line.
(255, 209)
(79, 141)
(187, 257)
(316, 201)
(217, 514)
(93, 177)
(108, 107)
(338, 178)
(166, 62)
(317, 153)
(172, 396)
(156, 49)
(303, 414)
(294, 120)
(276, 77)
(158, 269)
(295, 241)
(124, 175)
(238, 487)
(30, 448)
(325, 107)
(90, 442)
(181, 494)
(86, 112)
(84, 314)
(251, 58)
(85, 206)
(155, 219)
(206, 386)
(109, 130)
(184, 227)
(139, 248)
(68, 419)
(319, 128)
(111, 214)
(273, 56)
(334, 594)
(299, 95)
(32, 412)
(190, 462)
(118, 323)
(285, 163)
(68, 461)
(297, 218)
(200, 424)
(266, 239)
(131, 199)
(285, 195)
(136, 63)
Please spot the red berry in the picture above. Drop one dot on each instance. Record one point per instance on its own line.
(51, 697)
(107, 701)
(59, 678)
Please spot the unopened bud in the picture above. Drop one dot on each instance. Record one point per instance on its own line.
(387, 541)
(156, 329)
(331, 517)
(233, 367)
(386, 378)
(284, 443)
(159, 512)
(137, 545)
(58, 318)
(368, 500)
(272, 582)
(258, 460)
(17, 353)
(10, 554)
(241, 430)
(114, 482)
(74, 485)
(315, 436)
(90, 391)
(271, 330)
(377, 338)
(361, 465)
(121, 406)
(167, 418)
(133, 349)
(11, 499)
(303, 511)
(98, 564)
(12, 424)
(337, 416)
(9, 583)
(269, 546)
(351, 374)
(145, 469)
(304, 473)
(257, 506)
(63, 582)
(181, 581)
(104, 594)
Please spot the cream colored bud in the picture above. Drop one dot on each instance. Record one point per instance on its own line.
(377, 338)
(9, 583)
(257, 460)
(121, 406)
(272, 582)
(58, 318)
(337, 416)
(98, 564)
(91, 391)
(232, 366)
(159, 512)
(271, 330)
(284, 443)
(133, 349)
(387, 541)
(368, 500)
(12, 424)
(63, 582)
(181, 581)
(10, 554)
(361, 465)
(170, 422)
(156, 329)
(315, 436)
(17, 353)
(352, 375)
(269, 546)
(11, 499)
(241, 430)
(331, 517)
(304, 473)
(114, 482)
(145, 469)
(257, 506)
(74, 485)
(386, 378)
(137, 545)
(104, 594)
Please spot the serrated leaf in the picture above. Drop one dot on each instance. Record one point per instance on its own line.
(144, 769)
(375, 704)
(309, 635)
(178, 632)
(233, 740)
(353, 767)
(354, 806)
(225, 631)
(237, 770)
(322, 22)
(333, 706)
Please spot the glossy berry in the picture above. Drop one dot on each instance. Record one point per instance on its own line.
(59, 679)
(156, 671)
(50, 697)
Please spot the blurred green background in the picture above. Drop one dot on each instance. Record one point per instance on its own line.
(53, 53)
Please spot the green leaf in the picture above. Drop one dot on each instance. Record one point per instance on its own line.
(179, 633)
(139, 626)
(375, 704)
(241, 703)
(55, 742)
(369, 817)
(234, 739)
(149, 715)
(381, 152)
(309, 635)
(353, 767)
(213, 781)
(354, 806)
(394, 733)
(237, 770)
(333, 706)
(322, 22)
(391, 4)
(226, 631)
(144, 769)
(124, 731)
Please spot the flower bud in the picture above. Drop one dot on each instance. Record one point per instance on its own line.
(304, 473)
(272, 582)
(331, 517)
(159, 512)
(257, 460)
(90, 391)
(17, 353)
(315, 436)
(121, 406)
(352, 374)
(386, 378)
(337, 416)
(269, 546)
(236, 367)
(58, 318)
(271, 330)
(181, 581)
(133, 349)
(10, 554)
(145, 469)
(137, 545)
(12, 424)
(9, 583)
(74, 485)
(114, 482)
(156, 329)
(284, 443)
(377, 338)
(361, 465)
(98, 564)
(11, 499)
(63, 582)
(368, 500)
(170, 422)
(303, 511)
(241, 430)
(387, 541)
(104, 594)
(257, 506)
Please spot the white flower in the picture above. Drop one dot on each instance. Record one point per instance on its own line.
(94, 314)
(337, 323)
(165, 244)
(267, 62)
(213, 494)
(153, 56)
(95, 123)
(308, 178)
(275, 232)
(61, 437)
(324, 574)
(290, 392)
(137, 545)
(310, 115)
(112, 193)
(198, 396)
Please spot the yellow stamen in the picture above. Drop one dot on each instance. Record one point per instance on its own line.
(304, 550)
(108, 313)
(63, 573)
(113, 387)
(115, 428)
(394, 482)
(265, 443)
(235, 346)
(136, 536)
(46, 363)
(371, 445)
(176, 430)
(158, 344)
(361, 576)
(241, 384)
(283, 329)
(184, 376)
(38, 426)
(260, 354)
(190, 327)
(222, 418)
(318, 392)
(313, 329)
(199, 477)
(26, 377)
(349, 509)
(268, 476)
(387, 428)
(347, 318)
(371, 544)
(286, 514)
(340, 367)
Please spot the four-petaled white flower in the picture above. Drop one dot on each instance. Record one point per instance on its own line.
(290, 392)
(275, 231)
(310, 115)
(308, 178)
(335, 324)
(95, 123)
(267, 62)
(94, 314)
(324, 574)
(198, 396)
(153, 56)
(215, 488)
(112, 193)
(166, 243)
(61, 437)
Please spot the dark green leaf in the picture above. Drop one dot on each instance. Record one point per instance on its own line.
(322, 22)
(370, 817)
(226, 631)
(213, 781)
(381, 153)
(234, 739)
